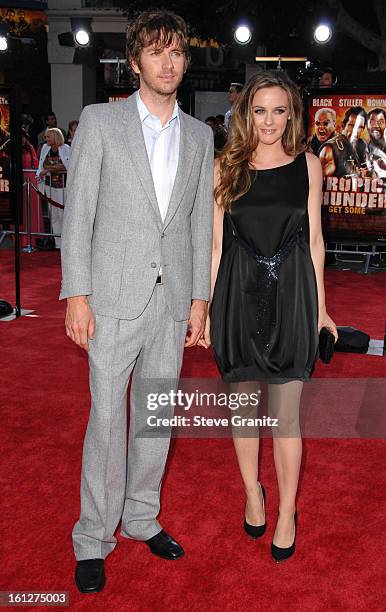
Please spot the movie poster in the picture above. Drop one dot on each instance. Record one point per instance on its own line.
(23, 22)
(117, 96)
(5, 159)
(348, 134)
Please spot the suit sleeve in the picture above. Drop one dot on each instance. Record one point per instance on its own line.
(202, 225)
(83, 179)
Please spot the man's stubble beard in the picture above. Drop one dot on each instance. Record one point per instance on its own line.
(152, 87)
(166, 93)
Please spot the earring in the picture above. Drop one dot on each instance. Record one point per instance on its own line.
(288, 118)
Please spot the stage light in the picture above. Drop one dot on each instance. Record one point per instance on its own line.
(243, 35)
(82, 38)
(322, 33)
(81, 35)
(81, 28)
(4, 32)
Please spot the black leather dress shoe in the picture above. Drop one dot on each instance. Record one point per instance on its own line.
(164, 546)
(90, 575)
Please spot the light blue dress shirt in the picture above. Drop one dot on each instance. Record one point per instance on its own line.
(163, 147)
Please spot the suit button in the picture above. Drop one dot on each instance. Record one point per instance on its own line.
(153, 264)
(162, 235)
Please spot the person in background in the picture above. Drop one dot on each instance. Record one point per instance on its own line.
(211, 121)
(220, 120)
(29, 156)
(29, 163)
(219, 133)
(327, 78)
(53, 164)
(233, 95)
(71, 131)
(51, 122)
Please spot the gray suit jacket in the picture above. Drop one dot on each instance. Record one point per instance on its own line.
(113, 238)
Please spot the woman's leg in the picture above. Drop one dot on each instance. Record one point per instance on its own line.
(246, 442)
(284, 401)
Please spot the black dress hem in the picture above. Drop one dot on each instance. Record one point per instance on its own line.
(250, 374)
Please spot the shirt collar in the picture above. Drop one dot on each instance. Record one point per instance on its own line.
(144, 112)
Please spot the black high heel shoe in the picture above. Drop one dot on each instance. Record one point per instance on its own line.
(256, 531)
(280, 554)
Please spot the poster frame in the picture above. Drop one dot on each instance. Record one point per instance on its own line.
(13, 214)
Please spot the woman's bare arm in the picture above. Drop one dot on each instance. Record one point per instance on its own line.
(316, 238)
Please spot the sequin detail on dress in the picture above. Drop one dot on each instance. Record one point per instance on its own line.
(268, 275)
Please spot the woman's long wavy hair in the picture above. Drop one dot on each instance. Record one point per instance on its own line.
(234, 176)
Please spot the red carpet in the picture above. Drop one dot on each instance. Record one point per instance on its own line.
(340, 561)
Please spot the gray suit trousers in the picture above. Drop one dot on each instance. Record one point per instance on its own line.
(121, 475)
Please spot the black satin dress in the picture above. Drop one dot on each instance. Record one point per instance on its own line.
(264, 311)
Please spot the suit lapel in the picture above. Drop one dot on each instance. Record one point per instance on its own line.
(137, 147)
(187, 153)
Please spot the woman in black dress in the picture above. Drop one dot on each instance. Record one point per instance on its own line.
(268, 301)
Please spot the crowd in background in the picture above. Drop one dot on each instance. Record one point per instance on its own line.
(46, 153)
(45, 166)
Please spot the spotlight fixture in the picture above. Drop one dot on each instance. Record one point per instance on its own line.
(322, 33)
(4, 32)
(81, 27)
(3, 44)
(80, 35)
(82, 38)
(243, 35)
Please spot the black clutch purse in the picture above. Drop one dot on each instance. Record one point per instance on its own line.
(326, 345)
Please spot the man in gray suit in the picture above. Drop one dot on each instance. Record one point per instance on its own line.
(136, 254)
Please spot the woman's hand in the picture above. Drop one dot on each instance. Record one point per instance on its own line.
(204, 341)
(326, 321)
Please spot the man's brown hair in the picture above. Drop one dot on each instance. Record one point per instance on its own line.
(155, 27)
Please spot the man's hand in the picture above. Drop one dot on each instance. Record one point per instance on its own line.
(205, 339)
(197, 319)
(80, 322)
